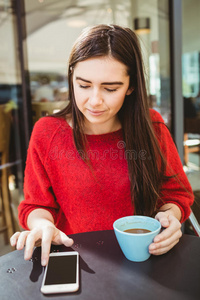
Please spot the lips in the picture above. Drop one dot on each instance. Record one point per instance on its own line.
(96, 112)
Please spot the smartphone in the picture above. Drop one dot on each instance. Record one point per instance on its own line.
(62, 273)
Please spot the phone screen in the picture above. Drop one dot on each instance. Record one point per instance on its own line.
(61, 270)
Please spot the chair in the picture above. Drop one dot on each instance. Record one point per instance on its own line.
(195, 224)
(6, 210)
(192, 225)
(195, 214)
(41, 109)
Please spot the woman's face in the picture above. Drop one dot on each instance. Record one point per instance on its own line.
(100, 86)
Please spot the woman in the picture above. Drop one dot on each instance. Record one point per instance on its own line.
(105, 155)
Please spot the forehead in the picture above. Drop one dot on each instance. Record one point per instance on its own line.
(104, 68)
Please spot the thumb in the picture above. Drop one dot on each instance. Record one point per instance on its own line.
(164, 221)
(162, 217)
(65, 240)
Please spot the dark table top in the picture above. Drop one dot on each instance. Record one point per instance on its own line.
(106, 274)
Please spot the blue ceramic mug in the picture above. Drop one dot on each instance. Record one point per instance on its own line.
(135, 246)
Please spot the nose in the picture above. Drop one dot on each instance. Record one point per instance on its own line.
(95, 98)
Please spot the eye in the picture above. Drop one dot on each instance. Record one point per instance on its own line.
(83, 86)
(110, 90)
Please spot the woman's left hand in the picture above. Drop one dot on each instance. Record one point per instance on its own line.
(169, 237)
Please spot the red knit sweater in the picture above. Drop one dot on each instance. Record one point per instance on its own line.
(81, 200)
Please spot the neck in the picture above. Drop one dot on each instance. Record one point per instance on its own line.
(95, 129)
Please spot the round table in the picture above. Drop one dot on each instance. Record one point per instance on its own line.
(106, 274)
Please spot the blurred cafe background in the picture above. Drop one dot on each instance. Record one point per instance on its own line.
(36, 38)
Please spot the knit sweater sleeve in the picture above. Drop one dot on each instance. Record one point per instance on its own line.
(175, 189)
(38, 192)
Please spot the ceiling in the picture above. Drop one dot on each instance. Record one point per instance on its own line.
(84, 12)
(52, 27)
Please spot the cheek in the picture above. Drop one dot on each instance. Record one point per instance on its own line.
(118, 101)
(78, 97)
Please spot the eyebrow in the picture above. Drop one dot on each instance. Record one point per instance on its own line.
(103, 83)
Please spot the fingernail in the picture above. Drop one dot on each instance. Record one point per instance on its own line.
(151, 251)
(44, 262)
(152, 247)
(18, 247)
(26, 257)
(157, 240)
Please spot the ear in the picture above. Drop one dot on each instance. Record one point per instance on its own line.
(129, 91)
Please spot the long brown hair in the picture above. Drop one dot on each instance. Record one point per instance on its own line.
(146, 175)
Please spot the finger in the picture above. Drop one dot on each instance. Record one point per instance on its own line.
(61, 238)
(30, 243)
(14, 238)
(47, 238)
(65, 240)
(164, 250)
(166, 243)
(22, 239)
(175, 226)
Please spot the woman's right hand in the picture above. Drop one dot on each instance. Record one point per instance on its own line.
(45, 235)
